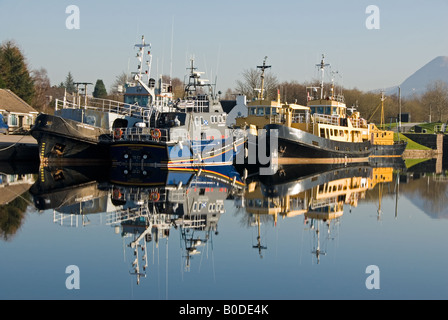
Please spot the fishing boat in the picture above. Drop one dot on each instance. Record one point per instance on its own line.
(82, 127)
(185, 133)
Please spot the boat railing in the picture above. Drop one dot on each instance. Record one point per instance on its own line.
(102, 105)
(336, 120)
(322, 203)
(141, 134)
(126, 215)
(327, 119)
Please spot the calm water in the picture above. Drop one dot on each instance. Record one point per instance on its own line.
(310, 234)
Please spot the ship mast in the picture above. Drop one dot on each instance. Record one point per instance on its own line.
(382, 121)
(140, 56)
(263, 68)
(322, 66)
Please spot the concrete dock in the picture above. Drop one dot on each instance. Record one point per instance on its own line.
(18, 148)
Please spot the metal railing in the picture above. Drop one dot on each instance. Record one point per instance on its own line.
(102, 105)
(141, 134)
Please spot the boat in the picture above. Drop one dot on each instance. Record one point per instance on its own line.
(384, 143)
(185, 133)
(320, 132)
(82, 127)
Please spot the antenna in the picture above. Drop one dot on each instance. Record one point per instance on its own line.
(263, 68)
(171, 56)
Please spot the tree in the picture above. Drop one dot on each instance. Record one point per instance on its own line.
(120, 81)
(100, 89)
(435, 100)
(14, 72)
(41, 87)
(69, 83)
(293, 92)
(251, 84)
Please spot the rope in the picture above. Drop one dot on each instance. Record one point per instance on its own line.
(14, 144)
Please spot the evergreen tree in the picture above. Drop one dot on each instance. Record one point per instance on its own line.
(14, 72)
(69, 83)
(100, 89)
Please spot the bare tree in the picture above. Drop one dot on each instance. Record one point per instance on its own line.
(251, 84)
(120, 81)
(435, 100)
(41, 86)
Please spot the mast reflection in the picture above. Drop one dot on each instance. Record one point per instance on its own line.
(142, 208)
(319, 193)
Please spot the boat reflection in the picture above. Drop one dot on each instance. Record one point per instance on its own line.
(319, 193)
(142, 208)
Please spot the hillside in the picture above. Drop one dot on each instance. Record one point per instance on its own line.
(417, 83)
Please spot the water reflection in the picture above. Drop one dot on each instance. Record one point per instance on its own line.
(142, 206)
(146, 206)
(318, 193)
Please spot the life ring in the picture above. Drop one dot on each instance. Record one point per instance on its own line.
(118, 133)
(155, 196)
(117, 194)
(156, 134)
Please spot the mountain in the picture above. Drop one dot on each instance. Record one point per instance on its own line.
(417, 83)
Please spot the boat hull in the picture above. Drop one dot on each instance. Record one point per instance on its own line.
(396, 149)
(139, 155)
(65, 140)
(299, 147)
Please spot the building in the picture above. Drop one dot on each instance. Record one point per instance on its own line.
(17, 114)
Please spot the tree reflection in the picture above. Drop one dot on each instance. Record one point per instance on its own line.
(12, 216)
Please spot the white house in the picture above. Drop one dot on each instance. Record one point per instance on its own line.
(18, 115)
(239, 110)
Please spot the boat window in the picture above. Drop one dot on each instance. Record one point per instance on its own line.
(260, 111)
(169, 120)
(274, 111)
(252, 111)
(320, 110)
(328, 110)
(268, 111)
(196, 121)
(322, 132)
(219, 119)
(328, 133)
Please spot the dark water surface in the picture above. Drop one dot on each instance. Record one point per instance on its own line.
(314, 233)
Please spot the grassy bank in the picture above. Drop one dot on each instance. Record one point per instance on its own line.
(412, 145)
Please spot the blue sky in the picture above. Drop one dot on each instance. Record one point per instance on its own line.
(228, 37)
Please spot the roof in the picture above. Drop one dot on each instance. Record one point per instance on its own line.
(10, 102)
(228, 105)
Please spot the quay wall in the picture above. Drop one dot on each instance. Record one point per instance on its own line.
(437, 142)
